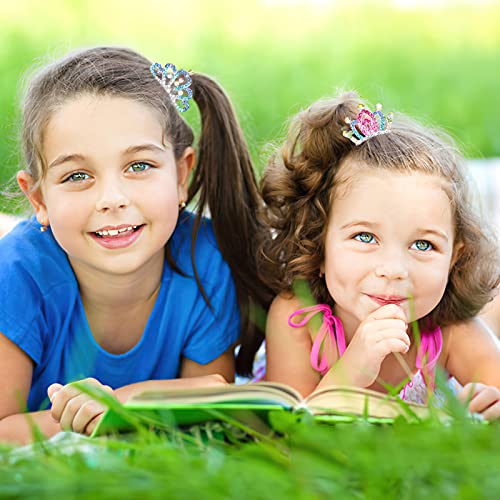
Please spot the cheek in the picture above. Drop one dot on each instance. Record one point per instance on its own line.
(341, 268)
(432, 283)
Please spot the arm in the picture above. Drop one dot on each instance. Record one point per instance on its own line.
(288, 349)
(474, 360)
(16, 369)
(78, 411)
(473, 353)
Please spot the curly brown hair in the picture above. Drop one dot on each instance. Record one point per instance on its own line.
(302, 178)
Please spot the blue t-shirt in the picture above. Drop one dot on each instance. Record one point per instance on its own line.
(41, 311)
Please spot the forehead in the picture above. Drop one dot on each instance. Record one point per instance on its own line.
(383, 196)
(90, 121)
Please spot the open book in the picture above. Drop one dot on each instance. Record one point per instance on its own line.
(251, 405)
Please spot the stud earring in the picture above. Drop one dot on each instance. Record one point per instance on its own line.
(43, 228)
(182, 205)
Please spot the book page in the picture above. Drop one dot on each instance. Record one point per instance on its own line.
(261, 392)
(357, 401)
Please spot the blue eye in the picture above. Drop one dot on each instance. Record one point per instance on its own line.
(422, 245)
(365, 238)
(77, 177)
(139, 167)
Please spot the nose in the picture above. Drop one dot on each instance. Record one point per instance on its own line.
(111, 197)
(392, 265)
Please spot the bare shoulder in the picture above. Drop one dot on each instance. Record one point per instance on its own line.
(284, 304)
(288, 348)
(473, 352)
(282, 307)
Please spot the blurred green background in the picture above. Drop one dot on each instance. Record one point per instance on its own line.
(438, 61)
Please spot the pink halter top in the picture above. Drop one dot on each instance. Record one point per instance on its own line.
(431, 344)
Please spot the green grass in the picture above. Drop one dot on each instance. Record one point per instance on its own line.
(343, 461)
(438, 64)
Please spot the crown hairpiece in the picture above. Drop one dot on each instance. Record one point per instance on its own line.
(175, 82)
(368, 124)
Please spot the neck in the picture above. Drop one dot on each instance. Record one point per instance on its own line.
(113, 293)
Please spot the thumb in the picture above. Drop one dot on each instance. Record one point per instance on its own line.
(388, 311)
(52, 389)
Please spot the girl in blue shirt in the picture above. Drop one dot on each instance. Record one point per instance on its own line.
(113, 281)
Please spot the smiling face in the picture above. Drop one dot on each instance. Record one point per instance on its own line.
(112, 187)
(390, 235)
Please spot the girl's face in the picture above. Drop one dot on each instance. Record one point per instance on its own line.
(389, 236)
(113, 187)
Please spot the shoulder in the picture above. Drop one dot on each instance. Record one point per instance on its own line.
(283, 306)
(28, 252)
(35, 273)
(472, 352)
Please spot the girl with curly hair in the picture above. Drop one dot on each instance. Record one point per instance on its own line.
(373, 214)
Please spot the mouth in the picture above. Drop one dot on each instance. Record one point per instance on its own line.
(117, 237)
(388, 299)
(117, 231)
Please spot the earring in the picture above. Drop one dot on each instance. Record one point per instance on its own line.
(182, 205)
(43, 228)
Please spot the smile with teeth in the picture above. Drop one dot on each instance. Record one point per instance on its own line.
(115, 232)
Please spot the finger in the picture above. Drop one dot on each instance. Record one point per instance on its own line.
(493, 412)
(64, 394)
(388, 311)
(391, 345)
(469, 391)
(85, 414)
(386, 323)
(383, 328)
(92, 425)
(484, 399)
(60, 399)
(397, 334)
(71, 409)
(52, 389)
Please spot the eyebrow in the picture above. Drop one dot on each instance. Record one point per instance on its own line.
(359, 223)
(144, 147)
(65, 158)
(436, 232)
(130, 150)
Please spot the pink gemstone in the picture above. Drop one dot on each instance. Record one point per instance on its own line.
(367, 124)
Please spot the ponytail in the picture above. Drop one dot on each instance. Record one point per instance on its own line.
(224, 181)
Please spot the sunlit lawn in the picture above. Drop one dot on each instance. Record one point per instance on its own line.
(345, 461)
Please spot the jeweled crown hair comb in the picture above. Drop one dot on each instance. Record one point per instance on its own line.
(175, 82)
(368, 124)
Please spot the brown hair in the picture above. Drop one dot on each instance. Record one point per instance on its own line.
(223, 180)
(316, 159)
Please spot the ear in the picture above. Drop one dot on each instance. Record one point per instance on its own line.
(26, 183)
(185, 165)
(322, 269)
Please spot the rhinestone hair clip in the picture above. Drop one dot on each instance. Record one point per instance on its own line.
(175, 82)
(368, 124)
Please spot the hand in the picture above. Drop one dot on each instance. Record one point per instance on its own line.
(75, 410)
(382, 332)
(483, 399)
